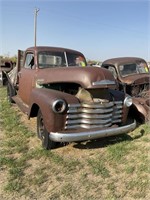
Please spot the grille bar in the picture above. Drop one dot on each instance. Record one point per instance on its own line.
(86, 115)
(86, 126)
(86, 110)
(88, 121)
(93, 115)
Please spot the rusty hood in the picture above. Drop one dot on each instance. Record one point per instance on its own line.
(136, 79)
(87, 77)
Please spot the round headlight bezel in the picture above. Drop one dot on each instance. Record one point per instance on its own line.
(59, 106)
(128, 101)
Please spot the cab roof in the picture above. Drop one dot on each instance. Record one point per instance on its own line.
(122, 60)
(48, 48)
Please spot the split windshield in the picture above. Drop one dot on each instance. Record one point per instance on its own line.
(133, 68)
(49, 59)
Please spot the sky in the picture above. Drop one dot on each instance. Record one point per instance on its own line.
(100, 29)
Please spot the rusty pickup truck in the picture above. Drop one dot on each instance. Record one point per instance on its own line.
(133, 77)
(72, 102)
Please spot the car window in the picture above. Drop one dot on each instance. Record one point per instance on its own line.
(51, 59)
(113, 71)
(29, 60)
(76, 60)
(48, 59)
(142, 68)
(128, 69)
(133, 68)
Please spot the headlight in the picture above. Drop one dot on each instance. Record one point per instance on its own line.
(128, 101)
(59, 106)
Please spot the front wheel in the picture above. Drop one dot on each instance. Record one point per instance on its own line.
(43, 134)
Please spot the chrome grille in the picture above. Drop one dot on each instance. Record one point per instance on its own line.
(93, 115)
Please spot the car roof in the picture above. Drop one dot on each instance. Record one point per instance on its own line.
(122, 60)
(49, 48)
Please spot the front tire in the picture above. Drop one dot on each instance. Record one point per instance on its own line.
(43, 134)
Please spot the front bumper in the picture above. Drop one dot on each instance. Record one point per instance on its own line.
(90, 135)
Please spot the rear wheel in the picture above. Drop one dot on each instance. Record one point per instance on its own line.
(43, 134)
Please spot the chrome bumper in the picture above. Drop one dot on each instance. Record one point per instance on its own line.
(89, 135)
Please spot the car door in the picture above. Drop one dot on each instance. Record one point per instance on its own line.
(26, 77)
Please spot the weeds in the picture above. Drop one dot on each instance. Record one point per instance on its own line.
(99, 167)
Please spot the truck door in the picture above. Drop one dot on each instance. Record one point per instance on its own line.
(26, 77)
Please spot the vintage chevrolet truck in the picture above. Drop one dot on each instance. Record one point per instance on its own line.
(72, 102)
(133, 77)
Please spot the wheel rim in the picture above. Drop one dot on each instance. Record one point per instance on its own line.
(43, 133)
(41, 129)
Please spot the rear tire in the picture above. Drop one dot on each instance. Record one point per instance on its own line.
(43, 134)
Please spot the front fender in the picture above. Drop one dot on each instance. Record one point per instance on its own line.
(141, 108)
(42, 98)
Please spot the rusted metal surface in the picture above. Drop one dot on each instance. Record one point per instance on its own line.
(133, 77)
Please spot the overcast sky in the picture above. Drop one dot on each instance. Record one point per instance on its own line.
(100, 29)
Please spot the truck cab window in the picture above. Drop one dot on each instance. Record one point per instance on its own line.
(47, 59)
(113, 71)
(29, 61)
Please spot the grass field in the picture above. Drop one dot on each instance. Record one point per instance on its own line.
(113, 168)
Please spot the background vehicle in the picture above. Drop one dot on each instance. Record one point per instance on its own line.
(71, 103)
(98, 64)
(132, 75)
(5, 67)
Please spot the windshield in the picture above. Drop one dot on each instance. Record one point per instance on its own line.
(75, 60)
(48, 59)
(133, 68)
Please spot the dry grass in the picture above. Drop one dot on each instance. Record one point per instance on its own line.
(109, 169)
